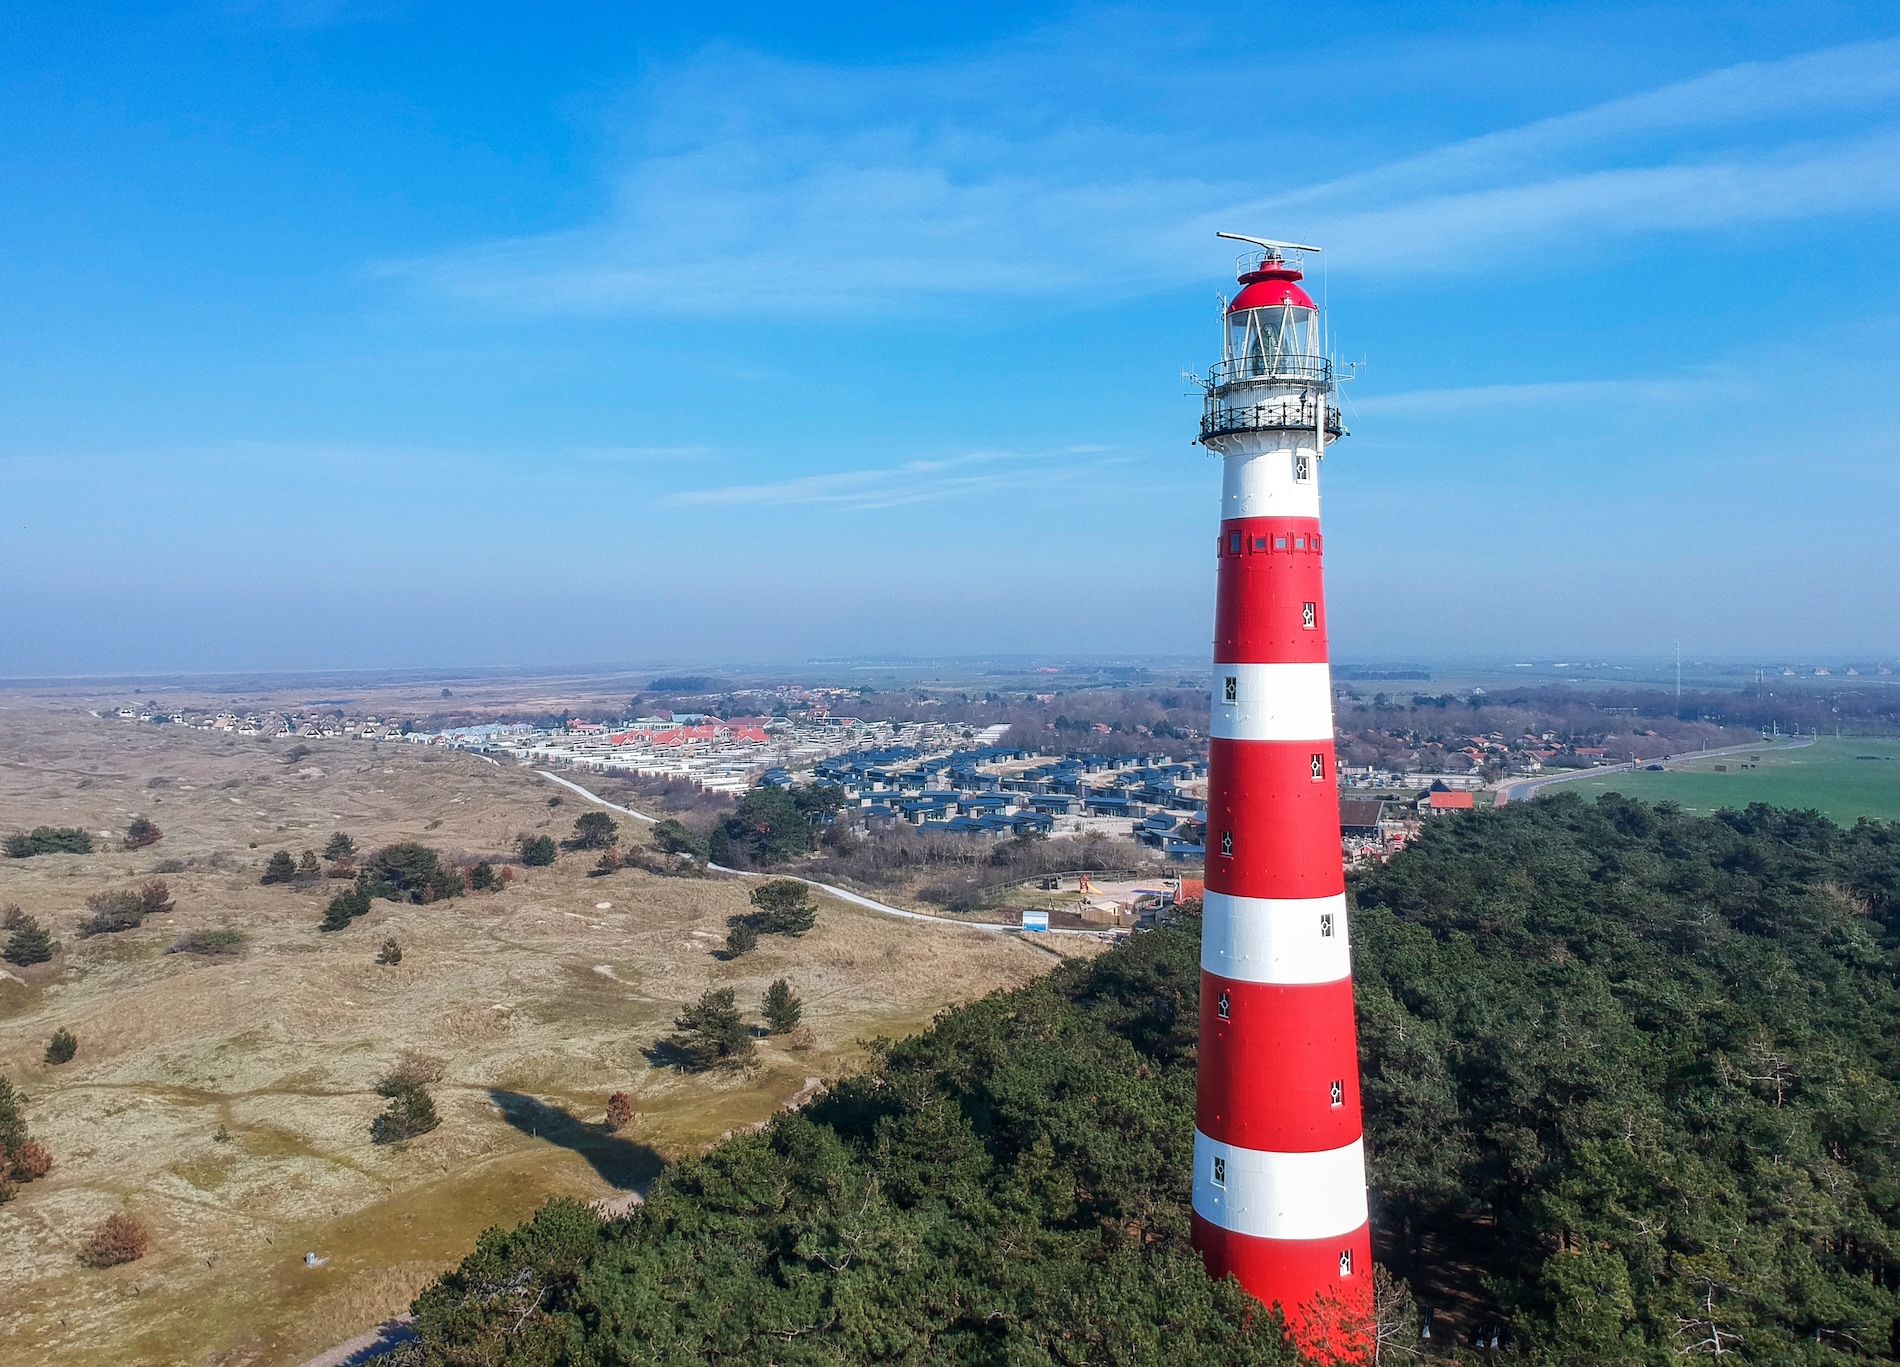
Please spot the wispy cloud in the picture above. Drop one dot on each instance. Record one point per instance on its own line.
(782, 188)
(978, 474)
(1546, 397)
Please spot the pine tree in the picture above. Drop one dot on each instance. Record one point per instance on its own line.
(410, 1112)
(308, 869)
(30, 943)
(340, 846)
(391, 952)
(344, 908)
(785, 907)
(61, 1047)
(710, 1033)
(482, 877)
(781, 1008)
(594, 831)
(12, 1123)
(280, 869)
(741, 939)
(537, 851)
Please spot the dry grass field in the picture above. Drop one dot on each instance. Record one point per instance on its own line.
(226, 1101)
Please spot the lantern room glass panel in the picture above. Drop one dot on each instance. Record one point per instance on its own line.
(1261, 341)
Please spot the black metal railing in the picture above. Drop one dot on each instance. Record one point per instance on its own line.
(1304, 369)
(1276, 415)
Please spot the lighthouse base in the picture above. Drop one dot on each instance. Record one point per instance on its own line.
(1329, 1315)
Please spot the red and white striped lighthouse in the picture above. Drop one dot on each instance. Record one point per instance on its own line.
(1279, 1164)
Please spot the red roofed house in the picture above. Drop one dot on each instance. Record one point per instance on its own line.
(1434, 803)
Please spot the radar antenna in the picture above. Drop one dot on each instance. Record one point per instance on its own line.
(1267, 242)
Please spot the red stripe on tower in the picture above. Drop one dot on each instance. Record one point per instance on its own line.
(1279, 1162)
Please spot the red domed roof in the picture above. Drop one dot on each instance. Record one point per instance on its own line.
(1270, 286)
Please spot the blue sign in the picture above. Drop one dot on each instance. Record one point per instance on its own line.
(1035, 920)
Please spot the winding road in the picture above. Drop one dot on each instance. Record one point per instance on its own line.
(843, 894)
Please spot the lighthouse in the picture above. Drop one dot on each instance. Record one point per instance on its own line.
(1279, 1159)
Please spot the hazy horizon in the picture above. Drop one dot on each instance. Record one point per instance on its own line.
(409, 337)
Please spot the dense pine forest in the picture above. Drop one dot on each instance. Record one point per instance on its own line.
(1630, 1088)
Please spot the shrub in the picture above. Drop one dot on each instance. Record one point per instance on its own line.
(155, 898)
(113, 912)
(61, 1047)
(121, 1239)
(390, 953)
(308, 869)
(781, 1008)
(610, 862)
(340, 846)
(594, 831)
(30, 1162)
(30, 942)
(48, 840)
(482, 877)
(412, 1068)
(537, 851)
(710, 1034)
(619, 1111)
(785, 907)
(142, 832)
(281, 868)
(207, 942)
(411, 872)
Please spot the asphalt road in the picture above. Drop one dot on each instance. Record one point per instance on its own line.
(1526, 789)
(844, 894)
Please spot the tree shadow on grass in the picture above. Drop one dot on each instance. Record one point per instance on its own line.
(623, 1163)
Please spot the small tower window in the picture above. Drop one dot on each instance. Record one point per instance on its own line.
(1319, 768)
(1299, 543)
(1339, 1092)
(1231, 688)
(1233, 543)
(1224, 1008)
(1326, 925)
(1345, 1257)
(1302, 467)
(1220, 1178)
(1279, 543)
(1260, 543)
(1227, 843)
(1309, 615)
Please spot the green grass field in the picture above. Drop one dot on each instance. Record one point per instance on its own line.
(1825, 776)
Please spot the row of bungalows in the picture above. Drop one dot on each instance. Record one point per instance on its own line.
(1181, 838)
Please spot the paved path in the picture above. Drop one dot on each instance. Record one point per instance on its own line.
(844, 894)
(367, 1345)
(1526, 789)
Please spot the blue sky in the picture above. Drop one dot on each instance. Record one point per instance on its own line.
(338, 335)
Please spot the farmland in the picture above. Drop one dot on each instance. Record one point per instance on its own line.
(1828, 776)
